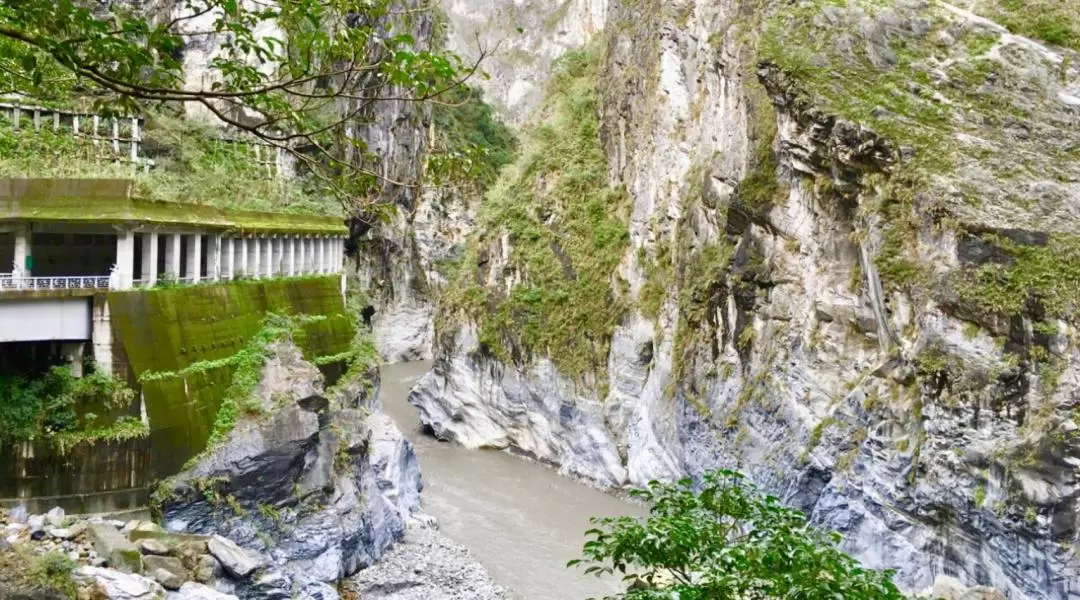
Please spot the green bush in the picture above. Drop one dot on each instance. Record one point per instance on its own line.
(46, 406)
(471, 144)
(725, 539)
(53, 571)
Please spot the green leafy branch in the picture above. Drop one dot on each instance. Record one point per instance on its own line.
(722, 538)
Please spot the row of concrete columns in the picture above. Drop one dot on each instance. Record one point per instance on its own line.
(230, 257)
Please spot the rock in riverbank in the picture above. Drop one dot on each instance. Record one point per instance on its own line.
(314, 488)
(426, 565)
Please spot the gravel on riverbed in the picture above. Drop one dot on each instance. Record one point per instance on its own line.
(426, 566)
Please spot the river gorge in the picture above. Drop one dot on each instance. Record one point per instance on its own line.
(520, 519)
(832, 245)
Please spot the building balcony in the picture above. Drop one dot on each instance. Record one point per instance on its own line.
(12, 282)
(76, 237)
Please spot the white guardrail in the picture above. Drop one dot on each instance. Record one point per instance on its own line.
(11, 282)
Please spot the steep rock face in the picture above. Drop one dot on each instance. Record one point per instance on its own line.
(523, 38)
(847, 274)
(399, 264)
(400, 261)
(317, 489)
(391, 261)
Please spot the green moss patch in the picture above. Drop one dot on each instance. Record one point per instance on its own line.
(1031, 275)
(170, 330)
(106, 201)
(1052, 21)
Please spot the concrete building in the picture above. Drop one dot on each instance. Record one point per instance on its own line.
(64, 243)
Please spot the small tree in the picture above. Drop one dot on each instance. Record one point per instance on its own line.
(725, 540)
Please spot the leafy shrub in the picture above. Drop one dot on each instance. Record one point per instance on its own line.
(725, 539)
(53, 571)
(45, 406)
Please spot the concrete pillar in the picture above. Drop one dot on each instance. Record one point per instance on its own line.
(301, 256)
(228, 252)
(270, 268)
(330, 242)
(72, 352)
(276, 255)
(124, 270)
(101, 334)
(242, 256)
(268, 257)
(22, 250)
(172, 256)
(213, 257)
(310, 265)
(290, 256)
(149, 259)
(255, 258)
(194, 258)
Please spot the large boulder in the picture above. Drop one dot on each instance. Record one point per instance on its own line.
(314, 490)
(236, 561)
(114, 585)
(152, 546)
(55, 517)
(119, 552)
(166, 570)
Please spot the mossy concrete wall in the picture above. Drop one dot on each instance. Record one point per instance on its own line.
(110, 201)
(166, 330)
(103, 477)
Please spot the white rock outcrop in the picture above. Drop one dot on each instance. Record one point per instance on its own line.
(119, 586)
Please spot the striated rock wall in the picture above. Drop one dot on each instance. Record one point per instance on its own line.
(846, 272)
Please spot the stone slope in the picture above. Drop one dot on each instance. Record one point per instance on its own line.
(317, 488)
(848, 272)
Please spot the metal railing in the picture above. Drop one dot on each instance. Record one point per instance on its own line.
(18, 282)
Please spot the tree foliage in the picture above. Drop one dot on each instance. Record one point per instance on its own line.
(36, 407)
(297, 74)
(726, 540)
(471, 144)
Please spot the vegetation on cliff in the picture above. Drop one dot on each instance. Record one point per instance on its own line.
(970, 146)
(470, 143)
(564, 231)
